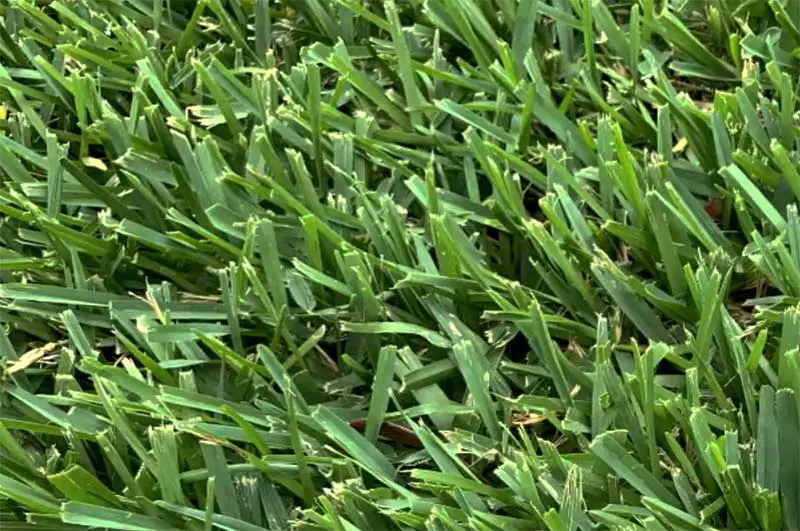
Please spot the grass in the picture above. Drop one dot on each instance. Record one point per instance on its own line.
(441, 264)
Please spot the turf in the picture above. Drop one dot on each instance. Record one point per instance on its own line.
(430, 264)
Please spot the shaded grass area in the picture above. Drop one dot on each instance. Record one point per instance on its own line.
(442, 265)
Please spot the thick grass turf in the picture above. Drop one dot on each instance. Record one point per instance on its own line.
(432, 264)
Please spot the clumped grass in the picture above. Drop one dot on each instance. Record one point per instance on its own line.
(431, 264)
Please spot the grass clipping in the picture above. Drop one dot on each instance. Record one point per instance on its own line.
(442, 265)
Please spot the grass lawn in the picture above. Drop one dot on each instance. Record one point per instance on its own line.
(493, 265)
